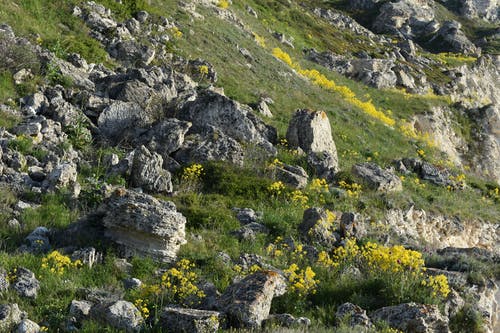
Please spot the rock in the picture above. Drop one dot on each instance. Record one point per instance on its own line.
(377, 178)
(131, 53)
(87, 256)
(285, 320)
(189, 320)
(311, 132)
(244, 234)
(317, 227)
(10, 316)
(34, 104)
(413, 318)
(37, 241)
(247, 215)
(263, 109)
(363, 4)
(425, 171)
(486, 10)
(121, 315)
(4, 282)
(28, 326)
(143, 225)
(354, 315)
(450, 38)
(283, 39)
(352, 225)
(247, 260)
(37, 173)
(324, 164)
(292, 175)
(142, 16)
(80, 309)
(454, 303)
(132, 283)
(25, 283)
(247, 303)
(64, 175)
(96, 16)
(148, 173)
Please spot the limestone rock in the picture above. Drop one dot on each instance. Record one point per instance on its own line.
(88, 256)
(351, 225)
(247, 215)
(148, 173)
(425, 171)
(80, 309)
(28, 326)
(143, 225)
(25, 283)
(247, 303)
(413, 318)
(120, 314)
(132, 283)
(10, 316)
(451, 38)
(377, 178)
(324, 164)
(356, 315)
(189, 320)
(311, 132)
(292, 175)
(486, 10)
(37, 241)
(317, 227)
(286, 320)
(4, 283)
(120, 118)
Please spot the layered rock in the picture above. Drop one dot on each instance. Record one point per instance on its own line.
(148, 173)
(377, 178)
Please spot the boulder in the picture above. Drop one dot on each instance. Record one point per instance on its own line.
(424, 170)
(286, 320)
(10, 317)
(132, 283)
(311, 131)
(25, 283)
(148, 173)
(292, 175)
(317, 227)
(450, 38)
(37, 241)
(324, 164)
(377, 73)
(413, 318)
(189, 320)
(120, 120)
(377, 178)
(143, 225)
(64, 175)
(486, 9)
(354, 315)
(352, 225)
(247, 302)
(120, 314)
(28, 326)
(80, 309)
(247, 215)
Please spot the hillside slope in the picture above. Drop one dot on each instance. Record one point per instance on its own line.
(205, 165)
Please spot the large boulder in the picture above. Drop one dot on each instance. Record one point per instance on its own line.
(413, 318)
(189, 320)
(10, 316)
(424, 170)
(247, 302)
(311, 131)
(120, 314)
(377, 178)
(28, 326)
(148, 173)
(354, 315)
(141, 224)
(294, 176)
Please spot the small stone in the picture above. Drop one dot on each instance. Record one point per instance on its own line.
(80, 309)
(87, 256)
(132, 283)
(28, 326)
(25, 283)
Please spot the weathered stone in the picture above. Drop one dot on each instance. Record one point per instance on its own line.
(28, 326)
(285, 320)
(132, 283)
(247, 303)
(25, 283)
(120, 314)
(377, 178)
(317, 227)
(34, 104)
(451, 38)
(486, 10)
(88, 256)
(62, 176)
(10, 316)
(454, 303)
(80, 309)
(311, 132)
(148, 173)
(292, 175)
(325, 165)
(143, 225)
(356, 316)
(118, 121)
(426, 171)
(189, 320)
(352, 225)
(413, 318)
(131, 53)
(4, 282)
(247, 215)
(37, 241)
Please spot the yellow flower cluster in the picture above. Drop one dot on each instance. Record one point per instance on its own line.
(353, 190)
(318, 185)
(143, 307)
(176, 32)
(276, 249)
(192, 173)
(298, 197)
(421, 152)
(494, 193)
(57, 263)
(223, 4)
(391, 259)
(418, 183)
(203, 69)
(180, 281)
(261, 41)
(275, 163)
(325, 260)
(347, 94)
(301, 281)
(410, 132)
(438, 284)
(276, 188)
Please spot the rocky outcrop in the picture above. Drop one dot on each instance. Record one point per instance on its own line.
(416, 226)
(476, 9)
(28, 326)
(148, 173)
(25, 283)
(377, 178)
(292, 175)
(143, 225)
(317, 227)
(413, 318)
(311, 132)
(451, 38)
(424, 170)
(247, 303)
(189, 320)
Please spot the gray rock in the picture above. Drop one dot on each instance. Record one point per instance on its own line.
(142, 16)
(80, 309)
(285, 320)
(317, 227)
(4, 283)
(37, 173)
(28, 326)
(132, 283)
(10, 316)
(247, 215)
(486, 10)
(377, 178)
(148, 173)
(377, 73)
(131, 53)
(454, 303)
(311, 132)
(363, 4)
(88, 256)
(143, 225)
(352, 225)
(356, 315)
(425, 171)
(34, 104)
(413, 318)
(38, 240)
(119, 120)
(324, 164)
(292, 175)
(189, 320)
(244, 234)
(64, 175)
(25, 283)
(263, 109)
(247, 303)
(451, 38)
(247, 260)
(120, 314)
